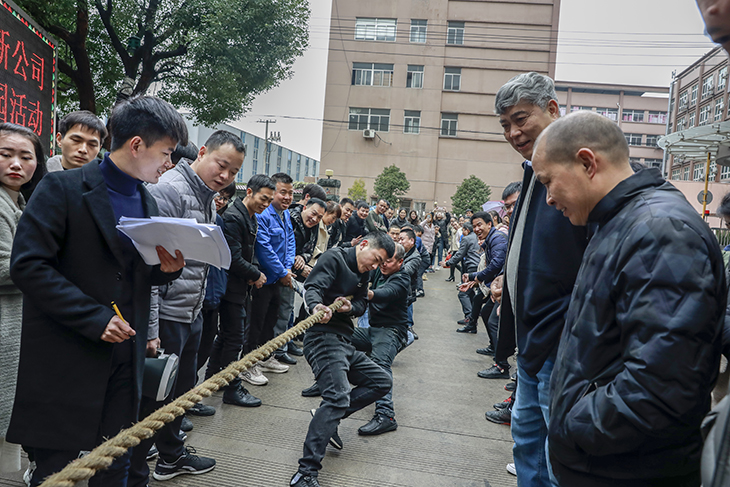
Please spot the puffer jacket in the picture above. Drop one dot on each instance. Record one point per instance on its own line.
(181, 193)
(495, 252)
(640, 349)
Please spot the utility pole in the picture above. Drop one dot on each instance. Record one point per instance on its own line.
(276, 137)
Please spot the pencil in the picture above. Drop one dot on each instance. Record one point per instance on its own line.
(119, 313)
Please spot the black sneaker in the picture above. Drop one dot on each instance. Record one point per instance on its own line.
(188, 463)
(378, 425)
(239, 396)
(486, 351)
(285, 358)
(201, 409)
(500, 416)
(420, 293)
(152, 454)
(510, 386)
(504, 404)
(312, 391)
(186, 424)
(494, 372)
(335, 441)
(294, 350)
(299, 480)
(415, 336)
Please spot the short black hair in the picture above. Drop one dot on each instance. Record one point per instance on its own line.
(84, 118)
(222, 137)
(317, 201)
(481, 215)
(260, 181)
(346, 200)
(314, 191)
(417, 228)
(381, 240)
(334, 207)
(40, 156)
(189, 152)
(282, 177)
(512, 188)
(724, 209)
(148, 117)
(468, 226)
(229, 190)
(467, 210)
(362, 204)
(409, 232)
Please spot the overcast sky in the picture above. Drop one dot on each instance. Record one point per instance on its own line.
(616, 41)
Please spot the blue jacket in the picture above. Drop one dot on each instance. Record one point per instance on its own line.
(217, 280)
(275, 245)
(495, 245)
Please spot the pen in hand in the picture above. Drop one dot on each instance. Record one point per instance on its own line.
(117, 330)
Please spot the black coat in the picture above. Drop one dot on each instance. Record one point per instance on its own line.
(412, 266)
(240, 230)
(640, 350)
(389, 306)
(68, 261)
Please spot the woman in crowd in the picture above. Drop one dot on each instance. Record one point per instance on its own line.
(224, 197)
(22, 164)
(429, 238)
(454, 239)
(498, 223)
(400, 221)
(413, 218)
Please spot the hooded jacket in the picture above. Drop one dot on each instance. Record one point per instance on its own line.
(640, 349)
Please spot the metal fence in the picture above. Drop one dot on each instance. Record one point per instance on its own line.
(723, 236)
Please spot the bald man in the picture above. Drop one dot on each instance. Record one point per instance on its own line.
(640, 349)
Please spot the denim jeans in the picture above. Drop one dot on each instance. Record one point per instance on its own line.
(381, 345)
(364, 320)
(530, 415)
(440, 248)
(336, 364)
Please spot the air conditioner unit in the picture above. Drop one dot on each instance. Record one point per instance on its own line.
(368, 134)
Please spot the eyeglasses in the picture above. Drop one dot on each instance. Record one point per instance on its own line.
(222, 199)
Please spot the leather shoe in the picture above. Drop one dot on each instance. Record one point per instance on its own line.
(285, 358)
(378, 425)
(299, 480)
(239, 396)
(494, 372)
(510, 386)
(486, 351)
(468, 329)
(312, 391)
(500, 416)
(292, 349)
(450, 279)
(201, 409)
(463, 321)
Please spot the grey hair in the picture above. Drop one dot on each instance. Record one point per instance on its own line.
(532, 87)
(400, 252)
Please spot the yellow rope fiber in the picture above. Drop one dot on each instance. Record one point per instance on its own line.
(103, 455)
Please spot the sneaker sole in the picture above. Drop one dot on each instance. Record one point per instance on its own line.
(169, 476)
(388, 430)
(274, 371)
(254, 383)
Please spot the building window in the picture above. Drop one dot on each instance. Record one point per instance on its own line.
(372, 74)
(722, 79)
(414, 76)
(449, 122)
(651, 140)
(288, 162)
(609, 113)
(719, 109)
(306, 167)
(693, 96)
(369, 29)
(412, 122)
(653, 163)
(658, 117)
(683, 100)
(299, 167)
(705, 114)
(455, 33)
(577, 108)
(632, 115)
(725, 172)
(707, 85)
(675, 173)
(418, 30)
(369, 118)
(680, 124)
(691, 122)
(452, 79)
(278, 160)
(698, 174)
(686, 173)
(563, 110)
(633, 139)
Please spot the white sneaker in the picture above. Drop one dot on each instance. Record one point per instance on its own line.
(254, 376)
(511, 469)
(28, 475)
(273, 365)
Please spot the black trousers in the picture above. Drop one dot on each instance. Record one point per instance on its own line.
(336, 364)
(118, 413)
(229, 342)
(207, 337)
(182, 339)
(263, 316)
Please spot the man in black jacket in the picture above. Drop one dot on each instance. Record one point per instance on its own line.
(336, 364)
(412, 267)
(544, 255)
(640, 350)
(388, 332)
(71, 263)
(240, 231)
(468, 257)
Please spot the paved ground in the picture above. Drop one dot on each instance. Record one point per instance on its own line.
(442, 438)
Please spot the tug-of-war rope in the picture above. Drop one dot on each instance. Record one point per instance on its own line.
(103, 455)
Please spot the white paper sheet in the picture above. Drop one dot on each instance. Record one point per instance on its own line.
(196, 241)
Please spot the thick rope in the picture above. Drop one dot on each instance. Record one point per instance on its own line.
(103, 455)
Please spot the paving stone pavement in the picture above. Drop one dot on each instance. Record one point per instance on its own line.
(442, 439)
